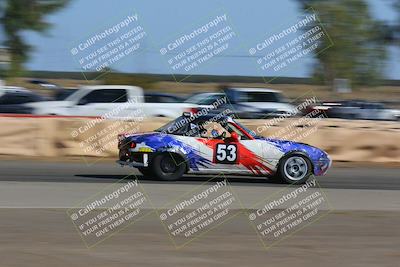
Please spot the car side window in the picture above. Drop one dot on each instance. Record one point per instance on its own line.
(262, 97)
(211, 100)
(168, 99)
(11, 99)
(160, 99)
(105, 96)
(150, 99)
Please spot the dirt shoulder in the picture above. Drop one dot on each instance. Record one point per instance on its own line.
(47, 237)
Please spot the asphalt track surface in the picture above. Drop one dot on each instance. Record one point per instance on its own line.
(361, 230)
(376, 178)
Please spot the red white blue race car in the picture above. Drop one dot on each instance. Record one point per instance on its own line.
(218, 144)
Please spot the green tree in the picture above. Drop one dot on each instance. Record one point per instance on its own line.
(19, 16)
(358, 52)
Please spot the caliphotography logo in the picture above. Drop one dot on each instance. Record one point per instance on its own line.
(199, 45)
(288, 211)
(286, 46)
(199, 211)
(110, 211)
(104, 49)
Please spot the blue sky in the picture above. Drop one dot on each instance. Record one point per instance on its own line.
(165, 20)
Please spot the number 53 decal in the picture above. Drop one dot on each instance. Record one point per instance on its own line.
(226, 154)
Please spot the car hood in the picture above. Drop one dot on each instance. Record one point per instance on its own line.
(285, 146)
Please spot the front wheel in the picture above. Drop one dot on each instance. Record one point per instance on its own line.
(168, 167)
(295, 169)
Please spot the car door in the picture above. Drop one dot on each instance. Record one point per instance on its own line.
(224, 153)
(269, 153)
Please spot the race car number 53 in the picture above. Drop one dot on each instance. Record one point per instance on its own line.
(226, 153)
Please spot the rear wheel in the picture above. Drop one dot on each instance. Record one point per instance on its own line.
(168, 166)
(295, 169)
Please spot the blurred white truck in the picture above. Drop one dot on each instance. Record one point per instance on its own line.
(112, 101)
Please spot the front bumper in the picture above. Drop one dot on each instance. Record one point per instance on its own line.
(322, 166)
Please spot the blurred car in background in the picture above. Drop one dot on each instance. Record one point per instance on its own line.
(162, 98)
(269, 102)
(246, 103)
(213, 102)
(356, 110)
(113, 101)
(13, 89)
(44, 84)
(15, 102)
(204, 99)
(58, 92)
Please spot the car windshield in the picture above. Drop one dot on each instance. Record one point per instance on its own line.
(264, 97)
(177, 126)
(202, 127)
(75, 96)
(204, 99)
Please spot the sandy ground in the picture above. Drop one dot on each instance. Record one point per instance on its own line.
(46, 237)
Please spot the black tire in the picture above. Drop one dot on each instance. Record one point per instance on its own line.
(147, 172)
(168, 166)
(294, 169)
